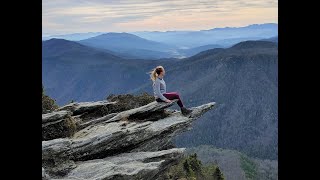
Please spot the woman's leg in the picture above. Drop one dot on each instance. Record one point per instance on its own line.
(173, 95)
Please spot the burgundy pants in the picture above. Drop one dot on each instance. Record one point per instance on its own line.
(171, 96)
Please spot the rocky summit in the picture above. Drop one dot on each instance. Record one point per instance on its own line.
(103, 140)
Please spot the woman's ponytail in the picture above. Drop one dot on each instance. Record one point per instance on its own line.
(153, 73)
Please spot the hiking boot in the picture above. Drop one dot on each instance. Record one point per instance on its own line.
(185, 111)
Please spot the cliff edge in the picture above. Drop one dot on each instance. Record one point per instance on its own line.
(103, 140)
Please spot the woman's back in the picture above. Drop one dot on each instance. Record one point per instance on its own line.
(159, 87)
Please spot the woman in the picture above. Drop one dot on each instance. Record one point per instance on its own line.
(159, 89)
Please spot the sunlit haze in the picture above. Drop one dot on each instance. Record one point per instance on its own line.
(80, 16)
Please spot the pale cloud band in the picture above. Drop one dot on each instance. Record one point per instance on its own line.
(70, 16)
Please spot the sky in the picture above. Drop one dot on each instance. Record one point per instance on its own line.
(80, 16)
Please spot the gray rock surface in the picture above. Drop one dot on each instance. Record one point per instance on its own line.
(138, 165)
(78, 108)
(45, 176)
(54, 116)
(57, 125)
(132, 144)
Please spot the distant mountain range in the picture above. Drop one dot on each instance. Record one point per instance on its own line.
(190, 39)
(57, 49)
(196, 50)
(124, 41)
(73, 37)
(272, 39)
(242, 79)
(154, 45)
(221, 36)
(130, 46)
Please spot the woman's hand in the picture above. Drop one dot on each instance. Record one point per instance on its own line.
(168, 101)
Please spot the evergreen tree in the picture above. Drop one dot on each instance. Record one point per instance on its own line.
(195, 164)
(218, 174)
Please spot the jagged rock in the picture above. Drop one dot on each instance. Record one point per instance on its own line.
(57, 148)
(151, 111)
(169, 127)
(148, 129)
(55, 157)
(101, 140)
(54, 116)
(78, 108)
(96, 121)
(145, 112)
(57, 125)
(127, 166)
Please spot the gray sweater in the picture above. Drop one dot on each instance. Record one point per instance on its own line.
(159, 87)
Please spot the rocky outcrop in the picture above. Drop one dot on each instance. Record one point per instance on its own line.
(138, 165)
(57, 125)
(84, 107)
(130, 144)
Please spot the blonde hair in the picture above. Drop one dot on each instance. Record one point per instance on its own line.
(153, 73)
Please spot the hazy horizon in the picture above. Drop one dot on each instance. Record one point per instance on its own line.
(150, 31)
(61, 17)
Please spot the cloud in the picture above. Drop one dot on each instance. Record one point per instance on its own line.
(67, 16)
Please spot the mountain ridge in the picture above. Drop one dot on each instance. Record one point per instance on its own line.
(221, 36)
(127, 40)
(129, 45)
(61, 47)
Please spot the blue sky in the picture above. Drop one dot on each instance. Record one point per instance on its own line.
(76, 16)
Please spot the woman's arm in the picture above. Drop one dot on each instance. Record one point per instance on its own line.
(158, 92)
